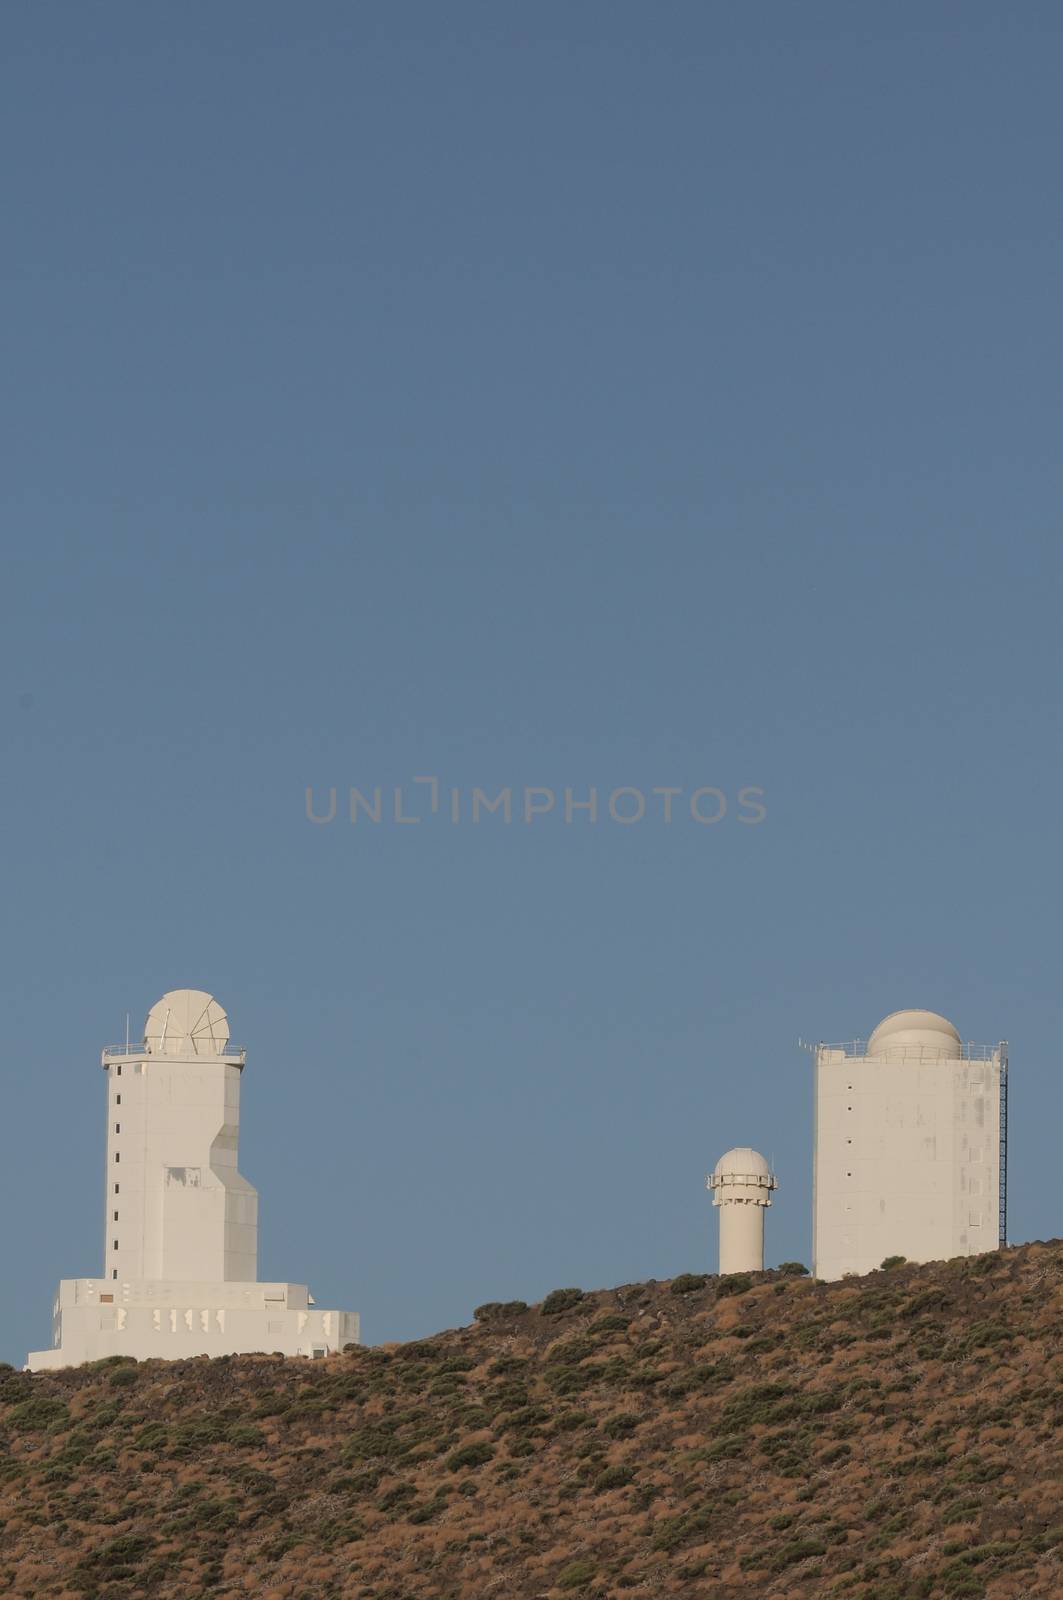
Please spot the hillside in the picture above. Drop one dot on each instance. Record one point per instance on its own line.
(886, 1437)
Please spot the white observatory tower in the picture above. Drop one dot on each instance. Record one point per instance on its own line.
(910, 1146)
(180, 1222)
(741, 1184)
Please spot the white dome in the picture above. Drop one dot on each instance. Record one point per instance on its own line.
(742, 1162)
(918, 1033)
(187, 1022)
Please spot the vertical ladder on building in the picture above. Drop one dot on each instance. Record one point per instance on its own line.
(1003, 1145)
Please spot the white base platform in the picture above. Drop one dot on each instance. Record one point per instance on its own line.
(96, 1317)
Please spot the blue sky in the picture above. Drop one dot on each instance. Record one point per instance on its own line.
(551, 396)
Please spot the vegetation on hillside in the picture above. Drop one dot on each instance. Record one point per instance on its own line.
(884, 1438)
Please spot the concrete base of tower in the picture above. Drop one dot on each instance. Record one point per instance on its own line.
(96, 1317)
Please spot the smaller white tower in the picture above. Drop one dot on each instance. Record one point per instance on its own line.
(741, 1186)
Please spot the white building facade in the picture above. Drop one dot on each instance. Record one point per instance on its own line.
(180, 1221)
(910, 1146)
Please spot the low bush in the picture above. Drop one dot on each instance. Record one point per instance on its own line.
(576, 1576)
(559, 1300)
(499, 1310)
(734, 1283)
(470, 1455)
(613, 1478)
(689, 1282)
(619, 1426)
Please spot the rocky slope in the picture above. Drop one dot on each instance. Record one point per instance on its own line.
(889, 1437)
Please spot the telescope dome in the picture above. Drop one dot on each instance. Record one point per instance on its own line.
(742, 1162)
(187, 1021)
(918, 1033)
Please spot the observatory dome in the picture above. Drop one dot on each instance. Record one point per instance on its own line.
(917, 1033)
(187, 1022)
(742, 1162)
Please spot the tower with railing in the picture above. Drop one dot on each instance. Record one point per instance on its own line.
(742, 1184)
(180, 1259)
(910, 1151)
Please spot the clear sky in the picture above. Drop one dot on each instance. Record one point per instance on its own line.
(557, 396)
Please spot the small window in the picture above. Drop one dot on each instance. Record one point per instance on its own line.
(119, 1069)
(116, 1216)
(116, 1244)
(118, 1127)
(118, 1099)
(114, 1272)
(116, 1188)
(117, 1157)
(107, 1299)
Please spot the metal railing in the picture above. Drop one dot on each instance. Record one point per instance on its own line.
(143, 1049)
(918, 1052)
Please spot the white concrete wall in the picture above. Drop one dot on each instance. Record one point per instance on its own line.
(175, 1204)
(907, 1159)
(96, 1317)
(741, 1236)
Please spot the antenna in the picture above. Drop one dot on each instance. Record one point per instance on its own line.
(127, 1033)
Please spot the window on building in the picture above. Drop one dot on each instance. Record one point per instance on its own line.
(118, 1127)
(116, 1188)
(116, 1244)
(114, 1272)
(107, 1299)
(116, 1216)
(117, 1157)
(119, 1069)
(118, 1099)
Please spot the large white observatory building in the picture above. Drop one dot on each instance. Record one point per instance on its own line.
(910, 1146)
(180, 1222)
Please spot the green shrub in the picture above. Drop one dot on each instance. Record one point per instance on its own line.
(470, 1455)
(399, 1494)
(725, 1449)
(613, 1478)
(38, 1413)
(689, 1282)
(836, 1452)
(734, 1283)
(559, 1300)
(244, 1435)
(792, 1269)
(893, 1261)
(619, 1426)
(498, 1310)
(612, 1322)
(577, 1576)
(797, 1550)
(671, 1532)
